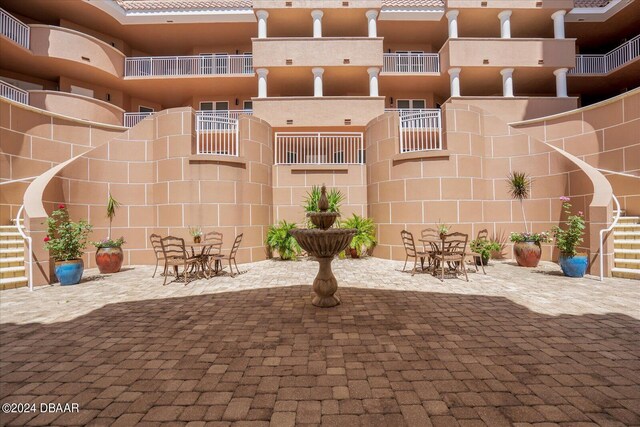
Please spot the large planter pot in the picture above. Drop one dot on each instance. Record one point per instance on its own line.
(573, 266)
(109, 260)
(527, 254)
(69, 272)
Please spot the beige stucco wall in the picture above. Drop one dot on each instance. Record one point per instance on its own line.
(77, 106)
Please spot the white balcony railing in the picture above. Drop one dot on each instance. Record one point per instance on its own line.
(602, 64)
(15, 30)
(200, 65)
(229, 114)
(420, 129)
(13, 93)
(217, 133)
(411, 63)
(132, 119)
(320, 148)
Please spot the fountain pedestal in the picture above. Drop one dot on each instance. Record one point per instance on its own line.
(325, 285)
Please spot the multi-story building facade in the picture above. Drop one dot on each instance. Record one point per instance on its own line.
(222, 114)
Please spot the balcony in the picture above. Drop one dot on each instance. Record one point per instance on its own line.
(13, 93)
(319, 148)
(419, 129)
(317, 52)
(181, 66)
(606, 63)
(496, 52)
(411, 63)
(217, 132)
(13, 29)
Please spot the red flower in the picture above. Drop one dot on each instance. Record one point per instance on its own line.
(46, 239)
(60, 206)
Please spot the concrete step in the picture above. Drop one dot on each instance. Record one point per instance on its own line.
(626, 235)
(625, 273)
(627, 263)
(8, 228)
(15, 243)
(627, 253)
(13, 282)
(625, 244)
(10, 235)
(14, 271)
(14, 261)
(629, 220)
(11, 252)
(626, 227)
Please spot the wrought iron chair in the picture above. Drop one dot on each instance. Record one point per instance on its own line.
(231, 257)
(429, 235)
(156, 244)
(214, 238)
(411, 252)
(175, 255)
(452, 252)
(475, 256)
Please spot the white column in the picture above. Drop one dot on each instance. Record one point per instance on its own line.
(507, 82)
(262, 82)
(558, 24)
(373, 80)
(505, 24)
(371, 19)
(452, 17)
(262, 23)
(317, 81)
(561, 82)
(317, 23)
(454, 79)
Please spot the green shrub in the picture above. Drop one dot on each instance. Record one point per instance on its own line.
(279, 239)
(365, 236)
(65, 239)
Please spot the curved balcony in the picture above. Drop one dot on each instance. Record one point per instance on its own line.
(76, 106)
(71, 45)
(197, 65)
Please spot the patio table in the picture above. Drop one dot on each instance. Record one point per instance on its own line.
(203, 262)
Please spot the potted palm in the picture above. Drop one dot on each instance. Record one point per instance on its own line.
(279, 239)
(109, 254)
(571, 262)
(65, 241)
(365, 237)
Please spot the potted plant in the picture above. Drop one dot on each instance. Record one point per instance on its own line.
(65, 242)
(365, 237)
(334, 197)
(443, 229)
(567, 241)
(196, 233)
(279, 238)
(526, 247)
(109, 255)
(483, 247)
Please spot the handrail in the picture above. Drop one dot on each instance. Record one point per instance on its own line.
(29, 245)
(607, 62)
(13, 93)
(606, 230)
(619, 173)
(18, 180)
(14, 29)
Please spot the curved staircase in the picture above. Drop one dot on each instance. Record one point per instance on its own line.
(12, 268)
(626, 242)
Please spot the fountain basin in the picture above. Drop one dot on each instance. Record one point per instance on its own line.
(323, 220)
(323, 243)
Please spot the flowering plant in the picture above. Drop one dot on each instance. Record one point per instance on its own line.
(568, 240)
(195, 231)
(65, 239)
(109, 243)
(541, 237)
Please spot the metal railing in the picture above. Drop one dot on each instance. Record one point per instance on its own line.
(606, 230)
(230, 114)
(29, 245)
(198, 65)
(420, 129)
(13, 29)
(319, 148)
(13, 93)
(411, 63)
(602, 64)
(216, 134)
(132, 119)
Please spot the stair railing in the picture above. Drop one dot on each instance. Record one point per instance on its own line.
(606, 230)
(29, 245)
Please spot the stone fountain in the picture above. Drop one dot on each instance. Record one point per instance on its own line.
(324, 243)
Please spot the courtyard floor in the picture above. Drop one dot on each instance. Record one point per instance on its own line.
(515, 347)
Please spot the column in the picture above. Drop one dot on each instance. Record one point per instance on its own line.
(454, 79)
(371, 19)
(558, 24)
(373, 80)
(262, 23)
(561, 82)
(317, 81)
(507, 82)
(317, 23)
(262, 82)
(505, 24)
(452, 17)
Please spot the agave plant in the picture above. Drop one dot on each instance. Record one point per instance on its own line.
(519, 185)
(279, 238)
(365, 236)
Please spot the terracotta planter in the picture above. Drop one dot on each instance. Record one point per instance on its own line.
(196, 239)
(109, 260)
(527, 254)
(69, 272)
(354, 253)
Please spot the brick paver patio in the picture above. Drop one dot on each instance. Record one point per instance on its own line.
(515, 347)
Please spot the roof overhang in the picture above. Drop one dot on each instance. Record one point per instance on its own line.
(168, 16)
(596, 14)
(388, 13)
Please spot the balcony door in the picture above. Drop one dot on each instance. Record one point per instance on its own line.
(411, 104)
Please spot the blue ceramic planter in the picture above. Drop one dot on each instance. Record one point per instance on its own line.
(575, 266)
(69, 272)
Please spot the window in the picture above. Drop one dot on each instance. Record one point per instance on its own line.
(214, 106)
(247, 105)
(143, 109)
(411, 104)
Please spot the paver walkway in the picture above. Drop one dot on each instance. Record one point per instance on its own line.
(515, 347)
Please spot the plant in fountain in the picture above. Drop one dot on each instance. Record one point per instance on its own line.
(568, 240)
(312, 200)
(65, 242)
(324, 243)
(109, 255)
(280, 239)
